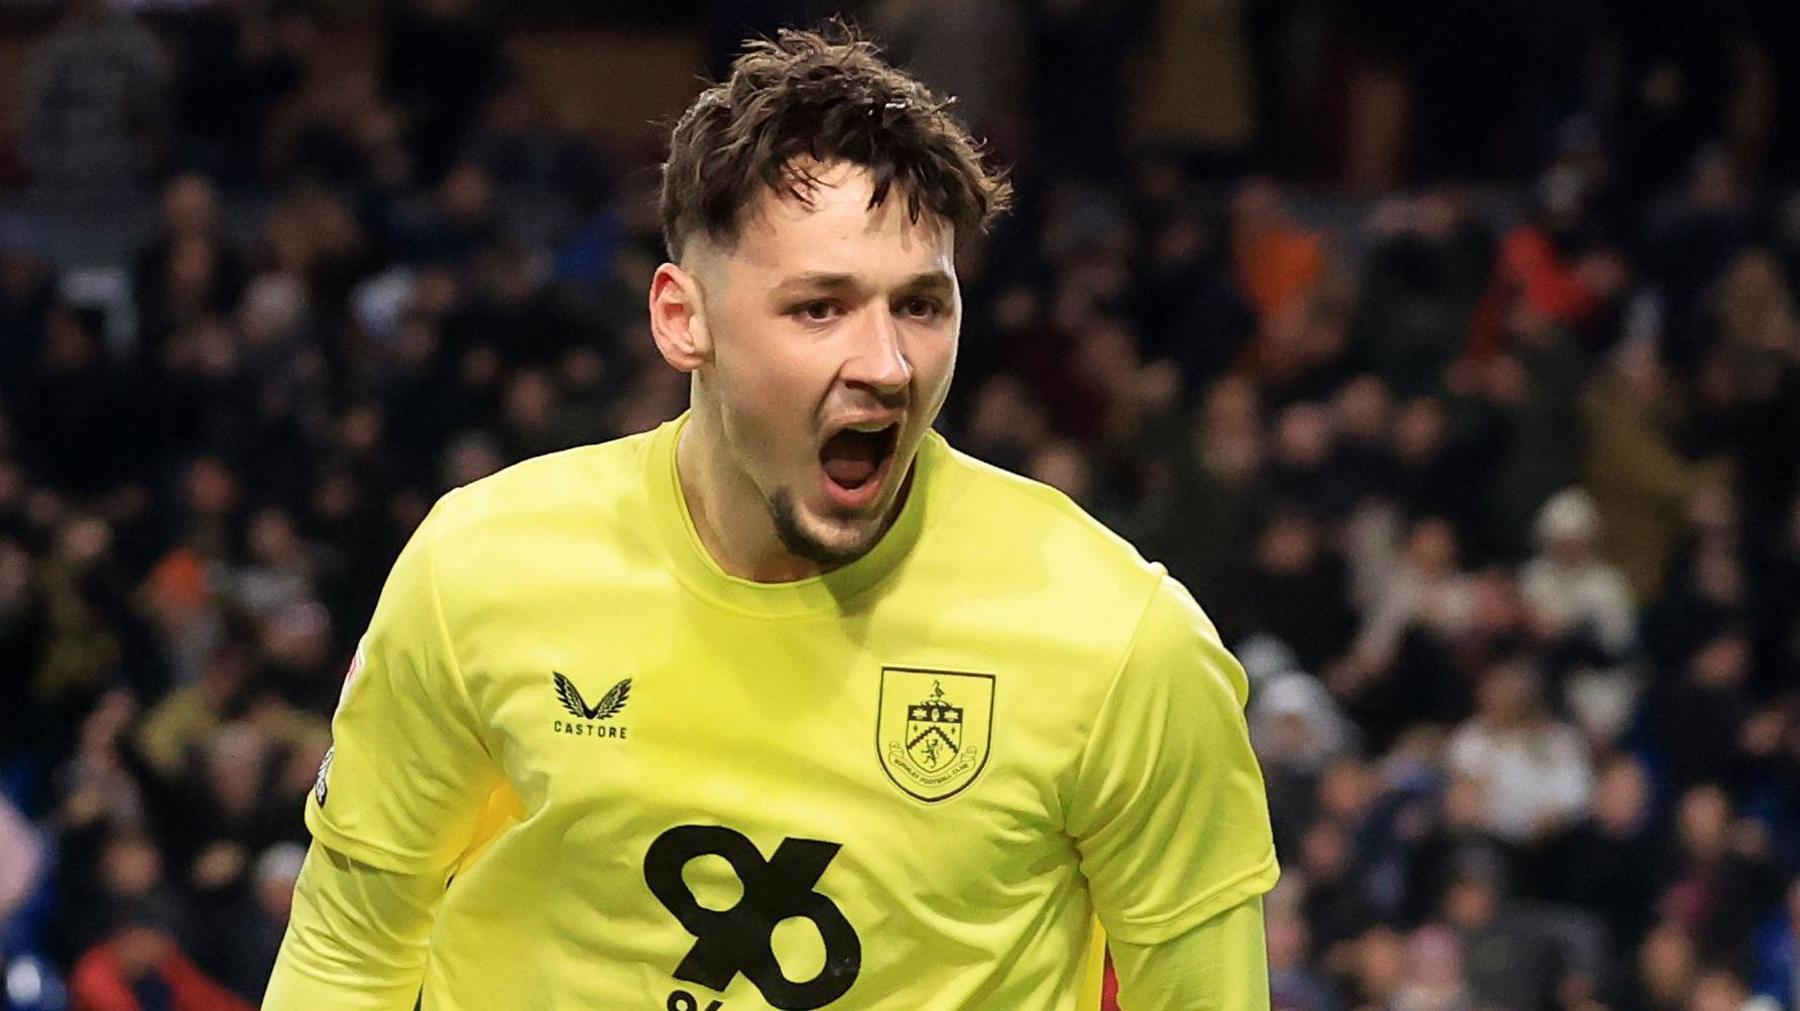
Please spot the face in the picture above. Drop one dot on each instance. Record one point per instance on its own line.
(141, 949)
(132, 866)
(1666, 960)
(1469, 903)
(1506, 694)
(1432, 548)
(1435, 958)
(1705, 816)
(826, 339)
(1287, 940)
(1571, 551)
(1619, 802)
(1381, 962)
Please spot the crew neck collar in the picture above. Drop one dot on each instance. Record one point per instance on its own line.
(830, 593)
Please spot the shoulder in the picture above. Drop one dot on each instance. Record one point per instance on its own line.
(1024, 562)
(591, 481)
(1005, 521)
(538, 527)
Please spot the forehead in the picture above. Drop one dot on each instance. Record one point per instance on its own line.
(836, 231)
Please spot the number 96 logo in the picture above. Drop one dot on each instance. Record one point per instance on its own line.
(740, 940)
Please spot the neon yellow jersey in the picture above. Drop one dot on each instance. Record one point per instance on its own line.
(914, 782)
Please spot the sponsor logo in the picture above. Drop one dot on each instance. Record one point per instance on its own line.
(591, 721)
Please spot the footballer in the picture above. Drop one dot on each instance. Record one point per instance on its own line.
(787, 703)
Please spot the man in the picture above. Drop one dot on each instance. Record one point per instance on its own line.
(141, 966)
(874, 725)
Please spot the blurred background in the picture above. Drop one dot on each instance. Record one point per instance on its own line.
(1447, 349)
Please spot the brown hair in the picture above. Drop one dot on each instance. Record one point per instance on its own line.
(804, 99)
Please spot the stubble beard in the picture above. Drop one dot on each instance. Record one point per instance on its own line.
(802, 544)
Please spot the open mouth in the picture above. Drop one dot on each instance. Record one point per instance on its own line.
(856, 462)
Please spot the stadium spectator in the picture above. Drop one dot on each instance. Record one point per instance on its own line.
(1392, 673)
(1294, 590)
(1580, 604)
(188, 270)
(239, 63)
(1293, 984)
(1666, 971)
(1532, 770)
(1602, 861)
(1421, 280)
(1375, 964)
(1553, 264)
(1434, 974)
(95, 106)
(440, 62)
(242, 934)
(1295, 723)
(1519, 955)
(1640, 482)
(1528, 399)
(1720, 884)
(1702, 714)
(1693, 236)
(141, 966)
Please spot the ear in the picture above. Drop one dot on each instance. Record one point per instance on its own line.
(678, 318)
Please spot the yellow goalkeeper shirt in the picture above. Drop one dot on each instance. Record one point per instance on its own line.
(913, 782)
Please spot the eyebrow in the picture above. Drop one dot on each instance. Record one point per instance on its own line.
(818, 280)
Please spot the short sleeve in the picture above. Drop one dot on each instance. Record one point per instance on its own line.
(409, 772)
(1169, 812)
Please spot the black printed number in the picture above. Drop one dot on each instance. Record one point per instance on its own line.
(681, 1000)
(741, 939)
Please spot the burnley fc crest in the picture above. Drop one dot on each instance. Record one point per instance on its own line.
(934, 729)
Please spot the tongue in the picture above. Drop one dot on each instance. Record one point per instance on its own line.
(852, 458)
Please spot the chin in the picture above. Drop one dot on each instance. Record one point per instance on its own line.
(824, 540)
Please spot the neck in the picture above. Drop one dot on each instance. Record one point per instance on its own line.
(729, 512)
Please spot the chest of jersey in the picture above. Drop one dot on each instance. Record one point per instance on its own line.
(779, 812)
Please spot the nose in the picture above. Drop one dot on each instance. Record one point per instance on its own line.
(878, 360)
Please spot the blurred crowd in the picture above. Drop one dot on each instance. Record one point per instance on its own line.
(1494, 489)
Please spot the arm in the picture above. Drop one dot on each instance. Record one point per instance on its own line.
(1169, 814)
(356, 937)
(1222, 963)
(397, 805)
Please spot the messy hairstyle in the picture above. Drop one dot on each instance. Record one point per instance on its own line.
(805, 99)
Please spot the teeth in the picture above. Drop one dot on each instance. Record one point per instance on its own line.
(870, 426)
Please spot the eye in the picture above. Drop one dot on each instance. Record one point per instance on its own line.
(819, 310)
(921, 307)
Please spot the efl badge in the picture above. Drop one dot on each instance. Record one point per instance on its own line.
(933, 729)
